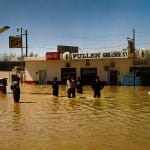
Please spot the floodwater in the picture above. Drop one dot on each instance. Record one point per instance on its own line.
(119, 120)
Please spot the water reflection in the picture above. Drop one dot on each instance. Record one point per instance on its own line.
(16, 124)
(119, 120)
(16, 109)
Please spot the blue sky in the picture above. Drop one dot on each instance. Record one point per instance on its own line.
(92, 25)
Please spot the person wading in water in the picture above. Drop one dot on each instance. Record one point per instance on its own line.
(97, 86)
(15, 86)
(70, 85)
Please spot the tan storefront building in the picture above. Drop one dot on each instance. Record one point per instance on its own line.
(114, 68)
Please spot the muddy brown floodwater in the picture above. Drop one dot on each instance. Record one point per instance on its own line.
(119, 120)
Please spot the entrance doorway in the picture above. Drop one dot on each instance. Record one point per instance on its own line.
(42, 77)
(113, 77)
(88, 75)
(67, 72)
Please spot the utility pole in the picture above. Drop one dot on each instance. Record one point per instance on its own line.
(26, 40)
(131, 49)
(134, 72)
(26, 33)
(21, 45)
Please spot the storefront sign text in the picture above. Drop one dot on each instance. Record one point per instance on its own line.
(122, 54)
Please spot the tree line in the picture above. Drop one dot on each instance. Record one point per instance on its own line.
(9, 61)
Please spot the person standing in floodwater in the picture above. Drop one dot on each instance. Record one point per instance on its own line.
(15, 87)
(55, 87)
(97, 86)
(70, 85)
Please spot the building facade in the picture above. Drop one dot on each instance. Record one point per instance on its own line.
(114, 68)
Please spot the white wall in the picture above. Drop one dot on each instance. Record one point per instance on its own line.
(53, 68)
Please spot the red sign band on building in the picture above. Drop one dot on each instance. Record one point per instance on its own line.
(52, 56)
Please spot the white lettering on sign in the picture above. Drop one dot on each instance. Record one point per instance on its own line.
(86, 55)
(114, 54)
(122, 54)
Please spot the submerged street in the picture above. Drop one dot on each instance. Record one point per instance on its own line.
(119, 120)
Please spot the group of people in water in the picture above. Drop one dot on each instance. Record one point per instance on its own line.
(72, 86)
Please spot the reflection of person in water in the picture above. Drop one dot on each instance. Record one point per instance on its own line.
(15, 87)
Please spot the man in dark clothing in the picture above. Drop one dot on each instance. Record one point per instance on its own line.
(16, 88)
(97, 85)
(55, 87)
(79, 85)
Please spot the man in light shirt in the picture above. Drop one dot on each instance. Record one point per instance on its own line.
(70, 85)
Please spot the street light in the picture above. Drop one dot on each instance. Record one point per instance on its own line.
(2, 29)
